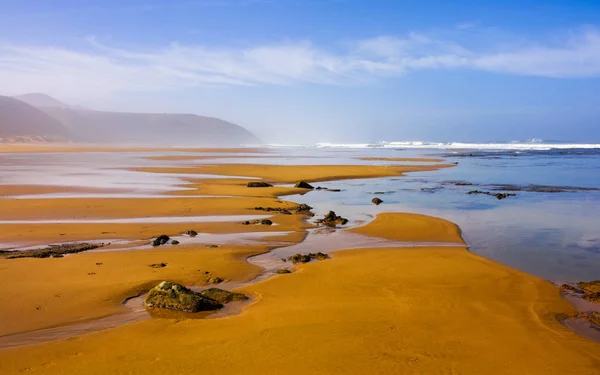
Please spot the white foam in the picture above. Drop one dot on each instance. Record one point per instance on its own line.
(530, 145)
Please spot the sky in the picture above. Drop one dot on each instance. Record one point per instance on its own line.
(308, 71)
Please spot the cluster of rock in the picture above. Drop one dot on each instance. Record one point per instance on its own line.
(497, 195)
(301, 209)
(589, 291)
(258, 222)
(173, 296)
(51, 251)
(332, 220)
(258, 184)
(328, 189)
(305, 258)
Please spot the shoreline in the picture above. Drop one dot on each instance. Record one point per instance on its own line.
(442, 288)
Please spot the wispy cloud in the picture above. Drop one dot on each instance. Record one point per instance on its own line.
(100, 69)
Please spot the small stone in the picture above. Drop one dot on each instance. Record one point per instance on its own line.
(174, 242)
(283, 271)
(223, 296)
(266, 222)
(158, 265)
(212, 246)
(377, 201)
(258, 184)
(191, 233)
(214, 280)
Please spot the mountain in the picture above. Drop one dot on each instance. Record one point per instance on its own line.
(20, 121)
(41, 100)
(142, 128)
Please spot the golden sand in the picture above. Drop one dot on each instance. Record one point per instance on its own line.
(434, 310)
(371, 311)
(295, 173)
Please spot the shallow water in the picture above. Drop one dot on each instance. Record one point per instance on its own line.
(145, 220)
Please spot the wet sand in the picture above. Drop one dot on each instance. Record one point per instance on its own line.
(422, 309)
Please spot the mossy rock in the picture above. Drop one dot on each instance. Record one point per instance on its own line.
(173, 296)
(223, 296)
(590, 286)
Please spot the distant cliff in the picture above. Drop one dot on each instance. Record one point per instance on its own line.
(80, 124)
(21, 122)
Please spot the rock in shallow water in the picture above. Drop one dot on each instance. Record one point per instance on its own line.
(173, 296)
(377, 201)
(161, 240)
(303, 185)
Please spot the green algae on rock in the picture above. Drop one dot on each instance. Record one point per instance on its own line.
(223, 296)
(173, 296)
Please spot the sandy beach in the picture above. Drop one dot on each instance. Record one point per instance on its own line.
(435, 308)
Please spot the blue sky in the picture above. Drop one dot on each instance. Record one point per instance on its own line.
(320, 71)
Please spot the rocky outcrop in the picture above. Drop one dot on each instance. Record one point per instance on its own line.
(172, 296)
(301, 209)
(303, 185)
(161, 240)
(377, 201)
(52, 251)
(305, 258)
(259, 184)
(223, 296)
(589, 291)
(499, 196)
(332, 220)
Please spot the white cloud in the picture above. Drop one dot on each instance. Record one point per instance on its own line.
(100, 69)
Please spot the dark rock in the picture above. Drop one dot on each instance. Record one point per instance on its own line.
(303, 185)
(283, 271)
(377, 201)
(174, 242)
(158, 265)
(320, 256)
(499, 196)
(212, 246)
(214, 280)
(52, 251)
(258, 184)
(246, 223)
(266, 222)
(169, 295)
(305, 258)
(332, 220)
(462, 183)
(570, 288)
(300, 258)
(334, 190)
(191, 233)
(590, 286)
(301, 209)
(223, 296)
(285, 212)
(379, 192)
(161, 240)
